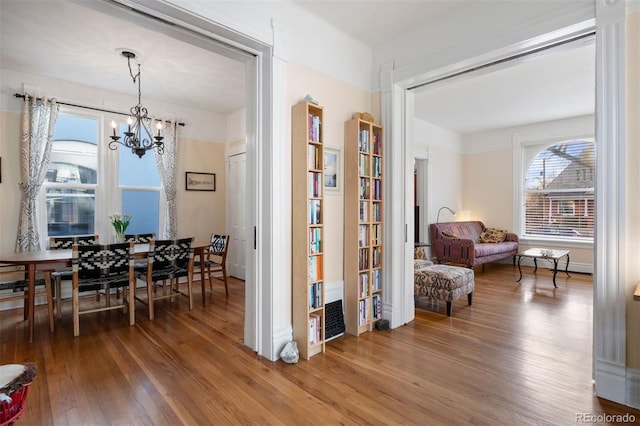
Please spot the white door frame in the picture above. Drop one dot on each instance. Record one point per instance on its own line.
(609, 321)
(259, 133)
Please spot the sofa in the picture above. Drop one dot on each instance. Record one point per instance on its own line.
(471, 243)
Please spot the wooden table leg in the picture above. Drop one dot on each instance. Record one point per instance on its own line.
(202, 275)
(32, 297)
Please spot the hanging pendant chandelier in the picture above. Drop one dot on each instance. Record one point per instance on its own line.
(137, 137)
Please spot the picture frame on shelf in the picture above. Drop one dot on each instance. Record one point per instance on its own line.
(332, 167)
(196, 181)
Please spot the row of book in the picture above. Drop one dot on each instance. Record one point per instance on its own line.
(364, 188)
(364, 211)
(315, 240)
(315, 269)
(376, 165)
(315, 296)
(315, 184)
(376, 280)
(315, 158)
(363, 259)
(363, 285)
(363, 311)
(377, 144)
(376, 255)
(314, 128)
(376, 234)
(315, 329)
(376, 301)
(363, 165)
(363, 235)
(377, 212)
(365, 142)
(315, 217)
(377, 189)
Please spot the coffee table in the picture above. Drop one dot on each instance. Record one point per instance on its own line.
(547, 254)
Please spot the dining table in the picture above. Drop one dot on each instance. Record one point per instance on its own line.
(48, 260)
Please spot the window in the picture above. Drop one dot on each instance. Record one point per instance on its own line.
(558, 189)
(80, 190)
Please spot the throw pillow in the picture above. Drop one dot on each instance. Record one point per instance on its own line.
(493, 235)
(421, 264)
(449, 234)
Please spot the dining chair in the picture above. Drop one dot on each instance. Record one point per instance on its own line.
(66, 243)
(102, 268)
(19, 290)
(141, 264)
(215, 263)
(168, 260)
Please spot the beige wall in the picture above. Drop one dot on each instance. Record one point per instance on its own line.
(633, 186)
(9, 190)
(339, 100)
(201, 213)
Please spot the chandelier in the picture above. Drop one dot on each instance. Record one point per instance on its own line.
(137, 137)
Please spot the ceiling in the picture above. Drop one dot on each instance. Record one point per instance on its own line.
(200, 73)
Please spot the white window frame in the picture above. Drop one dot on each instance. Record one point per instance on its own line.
(108, 193)
(519, 143)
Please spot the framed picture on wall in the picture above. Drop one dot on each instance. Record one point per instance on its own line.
(332, 177)
(200, 181)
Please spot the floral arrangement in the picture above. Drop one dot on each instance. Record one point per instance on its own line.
(120, 224)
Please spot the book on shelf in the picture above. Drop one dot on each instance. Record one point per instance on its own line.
(364, 211)
(376, 234)
(314, 162)
(376, 166)
(315, 236)
(363, 165)
(377, 189)
(315, 296)
(376, 255)
(363, 283)
(363, 235)
(363, 311)
(376, 280)
(363, 141)
(315, 184)
(363, 259)
(377, 212)
(315, 268)
(377, 145)
(364, 188)
(376, 300)
(315, 328)
(314, 212)
(314, 128)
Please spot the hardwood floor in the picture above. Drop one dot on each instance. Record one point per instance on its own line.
(521, 354)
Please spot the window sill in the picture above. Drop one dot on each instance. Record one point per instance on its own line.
(586, 244)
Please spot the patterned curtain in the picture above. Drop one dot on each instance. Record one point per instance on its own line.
(167, 169)
(38, 121)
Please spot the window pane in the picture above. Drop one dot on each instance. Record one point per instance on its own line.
(135, 171)
(73, 127)
(144, 208)
(70, 211)
(73, 162)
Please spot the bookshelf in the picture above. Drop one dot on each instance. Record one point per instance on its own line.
(307, 228)
(363, 232)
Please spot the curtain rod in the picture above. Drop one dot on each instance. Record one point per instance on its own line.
(19, 95)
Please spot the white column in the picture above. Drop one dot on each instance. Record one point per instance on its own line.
(609, 286)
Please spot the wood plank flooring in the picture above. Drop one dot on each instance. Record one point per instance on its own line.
(521, 354)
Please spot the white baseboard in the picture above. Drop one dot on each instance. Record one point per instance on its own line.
(633, 388)
(611, 381)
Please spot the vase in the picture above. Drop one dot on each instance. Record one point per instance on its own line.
(120, 236)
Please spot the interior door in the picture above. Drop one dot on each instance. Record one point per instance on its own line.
(237, 187)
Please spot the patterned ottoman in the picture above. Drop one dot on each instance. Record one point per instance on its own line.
(444, 282)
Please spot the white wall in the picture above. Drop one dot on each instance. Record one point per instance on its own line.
(202, 125)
